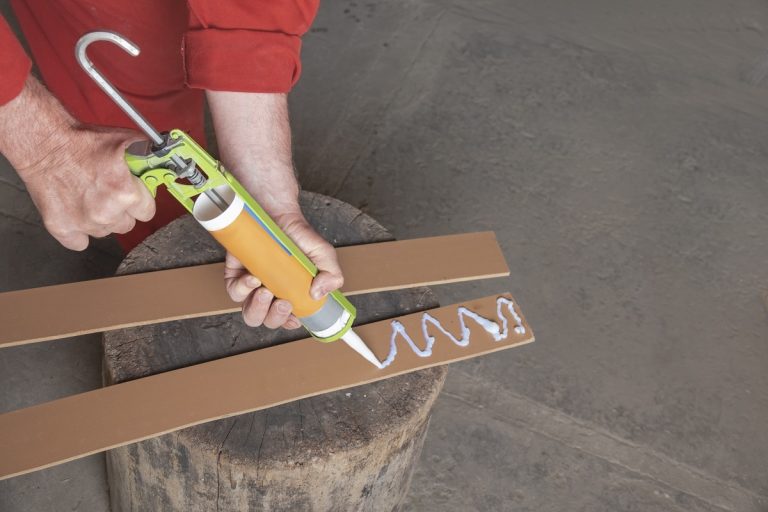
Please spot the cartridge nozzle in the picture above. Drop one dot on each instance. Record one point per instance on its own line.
(359, 346)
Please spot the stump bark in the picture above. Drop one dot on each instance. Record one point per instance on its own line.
(349, 450)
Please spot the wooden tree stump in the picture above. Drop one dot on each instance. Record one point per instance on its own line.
(348, 450)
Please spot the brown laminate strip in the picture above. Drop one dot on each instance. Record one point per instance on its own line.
(62, 430)
(61, 311)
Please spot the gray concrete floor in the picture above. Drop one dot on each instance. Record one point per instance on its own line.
(619, 151)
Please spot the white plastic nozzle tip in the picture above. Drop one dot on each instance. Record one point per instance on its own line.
(359, 346)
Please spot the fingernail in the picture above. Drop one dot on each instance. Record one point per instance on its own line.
(318, 293)
(264, 296)
(283, 307)
(252, 281)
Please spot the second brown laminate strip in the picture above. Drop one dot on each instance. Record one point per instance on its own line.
(61, 311)
(69, 428)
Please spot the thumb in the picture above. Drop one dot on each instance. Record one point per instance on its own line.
(329, 277)
(323, 255)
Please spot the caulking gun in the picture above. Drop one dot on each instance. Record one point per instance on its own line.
(224, 208)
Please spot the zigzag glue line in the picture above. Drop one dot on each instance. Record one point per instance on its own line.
(490, 327)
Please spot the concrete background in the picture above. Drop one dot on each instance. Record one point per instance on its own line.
(618, 150)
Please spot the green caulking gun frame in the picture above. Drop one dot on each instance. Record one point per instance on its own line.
(172, 156)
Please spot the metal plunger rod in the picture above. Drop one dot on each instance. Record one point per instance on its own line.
(106, 85)
(82, 58)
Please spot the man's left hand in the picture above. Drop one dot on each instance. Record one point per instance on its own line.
(259, 305)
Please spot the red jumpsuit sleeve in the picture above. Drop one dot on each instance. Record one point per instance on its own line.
(245, 45)
(14, 62)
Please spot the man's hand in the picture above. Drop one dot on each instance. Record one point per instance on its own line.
(76, 176)
(83, 187)
(255, 144)
(258, 304)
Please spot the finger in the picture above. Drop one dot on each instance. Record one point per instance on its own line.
(241, 287)
(144, 208)
(74, 241)
(100, 231)
(329, 278)
(323, 255)
(239, 282)
(292, 323)
(124, 225)
(324, 283)
(256, 307)
(233, 267)
(103, 214)
(278, 314)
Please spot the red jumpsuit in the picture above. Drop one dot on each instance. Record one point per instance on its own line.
(186, 47)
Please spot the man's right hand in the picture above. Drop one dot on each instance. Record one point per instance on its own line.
(76, 175)
(83, 186)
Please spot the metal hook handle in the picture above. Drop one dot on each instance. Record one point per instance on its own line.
(106, 86)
